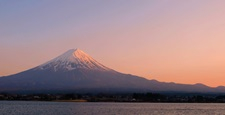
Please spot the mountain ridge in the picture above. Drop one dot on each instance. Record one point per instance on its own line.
(75, 70)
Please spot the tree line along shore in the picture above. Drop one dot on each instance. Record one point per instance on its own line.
(120, 97)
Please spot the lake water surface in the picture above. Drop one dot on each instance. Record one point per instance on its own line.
(71, 108)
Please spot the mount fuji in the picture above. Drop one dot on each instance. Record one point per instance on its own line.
(76, 71)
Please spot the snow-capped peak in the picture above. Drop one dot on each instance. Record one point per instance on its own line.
(73, 59)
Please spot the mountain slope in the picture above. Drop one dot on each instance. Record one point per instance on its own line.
(75, 70)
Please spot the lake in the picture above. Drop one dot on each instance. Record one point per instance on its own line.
(71, 108)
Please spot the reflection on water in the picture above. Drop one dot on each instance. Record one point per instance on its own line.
(69, 108)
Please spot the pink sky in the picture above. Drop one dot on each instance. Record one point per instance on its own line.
(167, 40)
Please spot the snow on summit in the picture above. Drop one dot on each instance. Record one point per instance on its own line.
(73, 59)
